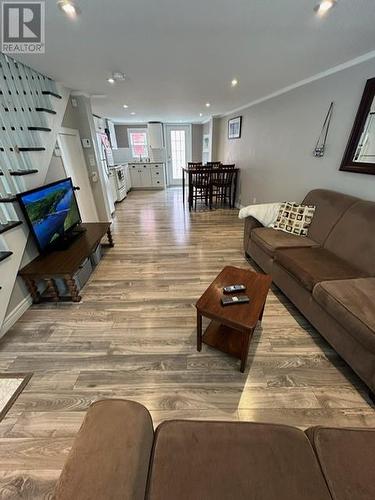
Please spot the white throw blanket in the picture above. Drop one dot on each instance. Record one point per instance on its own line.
(265, 213)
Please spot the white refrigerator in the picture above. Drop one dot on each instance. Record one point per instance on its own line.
(106, 161)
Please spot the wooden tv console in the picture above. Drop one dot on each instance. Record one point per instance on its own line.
(65, 264)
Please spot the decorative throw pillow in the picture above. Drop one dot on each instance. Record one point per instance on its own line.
(294, 218)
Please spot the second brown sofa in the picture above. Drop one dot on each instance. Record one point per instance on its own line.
(117, 455)
(328, 275)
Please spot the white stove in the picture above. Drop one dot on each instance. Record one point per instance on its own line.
(118, 182)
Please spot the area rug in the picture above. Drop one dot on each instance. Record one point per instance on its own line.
(11, 386)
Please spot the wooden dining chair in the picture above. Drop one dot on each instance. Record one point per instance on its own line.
(222, 184)
(194, 164)
(200, 186)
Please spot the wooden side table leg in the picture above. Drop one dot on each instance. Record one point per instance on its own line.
(73, 289)
(110, 238)
(33, 289)
(245, 349)
(199, 331)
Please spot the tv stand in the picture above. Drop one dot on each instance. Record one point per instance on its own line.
(65, 263)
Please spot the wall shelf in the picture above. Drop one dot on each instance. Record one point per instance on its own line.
(39, 129)
(45, 110)
(53, 94)
(5, 255)
(9, 225)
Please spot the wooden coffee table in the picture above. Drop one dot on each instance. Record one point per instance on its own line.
(232, 326)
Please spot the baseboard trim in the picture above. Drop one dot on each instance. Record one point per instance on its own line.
(15, 315)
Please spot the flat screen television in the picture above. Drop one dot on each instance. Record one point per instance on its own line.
(52, 214)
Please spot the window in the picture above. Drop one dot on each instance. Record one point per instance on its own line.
(178, 152)
(138, 142)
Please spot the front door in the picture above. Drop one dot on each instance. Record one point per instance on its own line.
(178, 141)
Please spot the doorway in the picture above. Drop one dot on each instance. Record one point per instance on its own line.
(178, 144)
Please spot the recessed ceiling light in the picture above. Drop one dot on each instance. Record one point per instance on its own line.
(208, 104)
(234, 82)
(111, 80)
(132, 113)
(200, 114)
(125, 106)
(69, 8)
(324, 6)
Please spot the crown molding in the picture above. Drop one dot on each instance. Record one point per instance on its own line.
(301, 83)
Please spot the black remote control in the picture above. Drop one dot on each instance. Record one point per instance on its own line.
(234, 299)
(234, 288)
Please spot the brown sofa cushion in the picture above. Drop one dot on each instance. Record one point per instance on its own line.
(352, 303)
(270, 240)
(346, 457)
(233, 460)
(313, 265)
(330, 206)
(353, 238)
(111, 453)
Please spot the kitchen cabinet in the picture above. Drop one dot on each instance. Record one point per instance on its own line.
(155, 135)
(147, 175)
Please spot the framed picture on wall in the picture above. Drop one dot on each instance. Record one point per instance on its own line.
(234, 127)
(206, 143)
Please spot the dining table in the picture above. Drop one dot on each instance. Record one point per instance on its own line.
(187, 171)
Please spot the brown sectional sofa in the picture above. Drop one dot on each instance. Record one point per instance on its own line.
(117, 455)
(330, 274)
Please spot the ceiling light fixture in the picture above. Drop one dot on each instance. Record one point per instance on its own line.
(324, 6)
(234, 82)
(132, 113)
(69, 8)
(125, 106)
(200, 114)
(111, 80)
(208, 104)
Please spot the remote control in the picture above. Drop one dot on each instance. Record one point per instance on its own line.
(234, 288)
(234, 299)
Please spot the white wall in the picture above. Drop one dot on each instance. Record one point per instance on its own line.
(278, 137)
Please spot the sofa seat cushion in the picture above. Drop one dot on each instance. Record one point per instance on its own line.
(271, 239)
(227, 460)
(352, 303)
(313, 265)
(346, 457)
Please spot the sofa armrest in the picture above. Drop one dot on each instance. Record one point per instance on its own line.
(250, 224)
(110, 455)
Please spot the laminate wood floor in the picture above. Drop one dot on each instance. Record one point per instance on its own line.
(133, 336)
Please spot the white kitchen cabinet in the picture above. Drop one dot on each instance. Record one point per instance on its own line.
(147, 175)
(155, 135)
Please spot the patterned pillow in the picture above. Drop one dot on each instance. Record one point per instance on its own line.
(294, 218)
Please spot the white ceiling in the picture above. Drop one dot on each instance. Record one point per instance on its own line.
(178, 55)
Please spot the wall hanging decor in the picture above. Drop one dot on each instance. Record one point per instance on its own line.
(359, 155)
(320, 145)
(234, 127)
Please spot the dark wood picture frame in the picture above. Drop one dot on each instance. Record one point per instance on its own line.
(348, 164)
(237, 136)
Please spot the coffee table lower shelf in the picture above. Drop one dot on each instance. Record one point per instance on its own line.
(225, 339)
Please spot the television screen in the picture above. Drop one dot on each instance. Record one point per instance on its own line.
(51, 212)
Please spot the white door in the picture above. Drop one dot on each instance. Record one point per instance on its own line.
(75, 167)
(178, 142)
